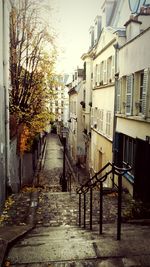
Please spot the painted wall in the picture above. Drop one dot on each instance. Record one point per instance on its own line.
(73, 126)
(133, 127)
(80, 125)
(132, 50)
(103, 99)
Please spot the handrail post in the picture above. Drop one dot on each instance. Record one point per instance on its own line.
(119, 206)
(80, 209)
(113, 175)
(101, 209)
(91, 207)
(70, 181)
(84, 210)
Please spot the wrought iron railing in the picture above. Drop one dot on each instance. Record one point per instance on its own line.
(97, 180)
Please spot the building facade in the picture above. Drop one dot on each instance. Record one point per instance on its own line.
(76, 141)
(86, 105)
(119, 82)
(103, 101)
(132, 140)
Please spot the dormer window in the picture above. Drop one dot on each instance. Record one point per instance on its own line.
(91, 33)
(97, 28)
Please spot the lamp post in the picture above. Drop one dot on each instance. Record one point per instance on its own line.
(64, 181)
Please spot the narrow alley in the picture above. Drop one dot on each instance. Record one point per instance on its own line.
(45, 222)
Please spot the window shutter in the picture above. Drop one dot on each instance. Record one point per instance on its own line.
(129, 90)
(101, 72)
(108, 122)
(113, 68)
(144, 92)
(98, 119)
(118, 96)
(101, 118)
(94, 76)
(105, 72)
(95, 116)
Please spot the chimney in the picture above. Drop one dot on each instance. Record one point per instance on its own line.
(145, 10)
(132, 27)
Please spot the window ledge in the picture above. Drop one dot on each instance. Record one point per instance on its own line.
(103, 86)
(102, 134)
(130, 117)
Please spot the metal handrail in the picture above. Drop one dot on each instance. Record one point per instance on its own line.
(93, 182)
(88, 183)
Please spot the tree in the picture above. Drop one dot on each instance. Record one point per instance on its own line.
(31, 68)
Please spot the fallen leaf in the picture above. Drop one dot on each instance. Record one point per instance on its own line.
(7, 263)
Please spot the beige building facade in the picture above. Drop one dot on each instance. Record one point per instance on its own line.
(75, 140)
(102, 101)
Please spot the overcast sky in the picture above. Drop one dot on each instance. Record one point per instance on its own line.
(72, 20)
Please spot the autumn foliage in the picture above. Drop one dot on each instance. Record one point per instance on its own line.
(31, 71)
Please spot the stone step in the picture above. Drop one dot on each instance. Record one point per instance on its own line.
(70, 245)
(63, 207)
(113, 262)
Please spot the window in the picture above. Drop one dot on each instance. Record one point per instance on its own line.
(129, 147)
(95, 75)
(94, 115)
(100, 120)
(141, 87)
(105, 72)
(101, 72)
(109, 62)
(108, 123)
(98, 74)
(110, 69)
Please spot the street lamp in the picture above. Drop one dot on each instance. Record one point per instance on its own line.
(64, 181)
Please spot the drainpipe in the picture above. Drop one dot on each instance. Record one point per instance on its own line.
(116, 47)
(6, 85)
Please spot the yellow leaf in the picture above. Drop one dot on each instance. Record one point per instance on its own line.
(7, 264)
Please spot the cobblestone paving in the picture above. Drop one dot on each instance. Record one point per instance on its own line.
(58, 211)
(16, 209)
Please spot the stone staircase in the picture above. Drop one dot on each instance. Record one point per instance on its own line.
(58, 241)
